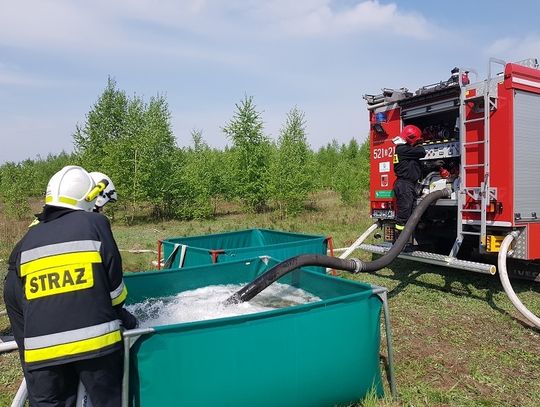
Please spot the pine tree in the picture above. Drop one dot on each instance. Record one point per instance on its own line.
(292, 169)
(251, 152)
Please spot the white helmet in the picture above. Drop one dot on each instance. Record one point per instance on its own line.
(71, 187)
(107, 193)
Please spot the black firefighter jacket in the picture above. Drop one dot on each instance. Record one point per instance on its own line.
(64, 290)
(406, 162)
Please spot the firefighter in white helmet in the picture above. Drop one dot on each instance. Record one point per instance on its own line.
(64, 294)
(107, 194)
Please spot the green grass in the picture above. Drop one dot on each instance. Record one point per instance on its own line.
(457, 339)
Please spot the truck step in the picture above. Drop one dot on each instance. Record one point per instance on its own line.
(433, 258)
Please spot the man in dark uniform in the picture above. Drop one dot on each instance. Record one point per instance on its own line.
(408, 171)
(64, 295)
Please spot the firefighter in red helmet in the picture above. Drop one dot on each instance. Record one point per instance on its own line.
(408, 171)
(64, 294)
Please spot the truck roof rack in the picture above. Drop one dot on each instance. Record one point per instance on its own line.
(387, 96)
(529, 62)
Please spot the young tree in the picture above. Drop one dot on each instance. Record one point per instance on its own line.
(352, 172)
(292, 168)
(104, 126)
(327, 158)
(132, 142)
(154, 149)
(251, 151)
(14, 182)
(197, 175)
(350, 151)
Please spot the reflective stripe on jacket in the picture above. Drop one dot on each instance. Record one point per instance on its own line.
(74, 342)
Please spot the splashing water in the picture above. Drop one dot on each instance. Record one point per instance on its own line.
(208, 303)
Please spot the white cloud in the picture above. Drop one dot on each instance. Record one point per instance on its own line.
(515, 49)
(114, 34)
(320, 18)
(84, 26)
(12, 76)
(64, 24)
(58, 24)
(166, 12)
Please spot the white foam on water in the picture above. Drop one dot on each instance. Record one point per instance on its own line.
(207, 303)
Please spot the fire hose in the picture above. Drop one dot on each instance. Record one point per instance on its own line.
(253, 288)
(503, 275)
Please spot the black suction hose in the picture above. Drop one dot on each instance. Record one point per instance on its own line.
(250, 290)
(406, 233)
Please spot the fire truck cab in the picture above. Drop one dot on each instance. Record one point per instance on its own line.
(482, 139)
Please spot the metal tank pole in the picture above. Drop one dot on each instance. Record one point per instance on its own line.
(22, 394)
(382, 292)
(22, 391)
(129, 339)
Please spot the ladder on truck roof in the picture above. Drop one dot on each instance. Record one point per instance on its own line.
(486, 91)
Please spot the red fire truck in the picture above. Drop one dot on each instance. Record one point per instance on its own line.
(486, 135)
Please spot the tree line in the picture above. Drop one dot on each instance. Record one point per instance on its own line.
(131, 140)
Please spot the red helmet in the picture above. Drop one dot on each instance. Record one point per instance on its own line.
(411, 134)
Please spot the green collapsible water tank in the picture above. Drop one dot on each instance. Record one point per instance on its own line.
(243, 244)
(324, 353)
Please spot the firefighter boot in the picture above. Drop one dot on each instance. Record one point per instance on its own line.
(397, 232)
(408, 248)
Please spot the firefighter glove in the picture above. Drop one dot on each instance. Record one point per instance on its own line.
(128, 319)
(439, 163)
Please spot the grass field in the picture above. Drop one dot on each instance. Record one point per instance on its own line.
(457, 339)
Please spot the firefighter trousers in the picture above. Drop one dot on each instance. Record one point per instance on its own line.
(405, 193)
(57, 385)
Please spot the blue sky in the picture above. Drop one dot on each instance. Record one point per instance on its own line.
(205, 55)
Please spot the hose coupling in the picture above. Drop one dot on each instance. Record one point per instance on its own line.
(358, 265)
